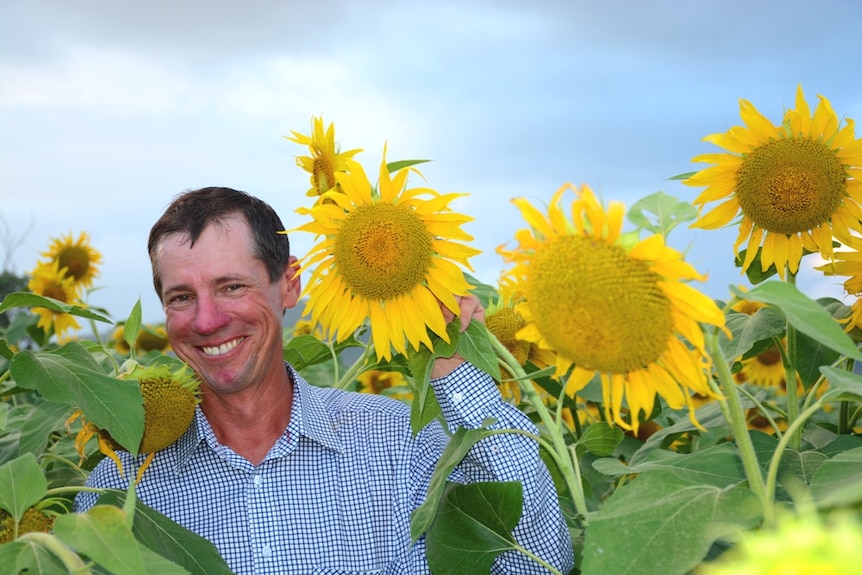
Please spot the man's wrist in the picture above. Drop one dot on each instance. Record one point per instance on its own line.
(443, 366)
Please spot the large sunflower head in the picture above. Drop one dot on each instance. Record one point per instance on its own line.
(325, 159)
(76, 258)
(391, 255)
(49, 280)
(795, 185)
(610, 307)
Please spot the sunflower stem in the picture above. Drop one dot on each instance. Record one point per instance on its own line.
(792, 392)
(356, 368)
(762, 409)
(772, 471)
(737, 423)
(567, 462)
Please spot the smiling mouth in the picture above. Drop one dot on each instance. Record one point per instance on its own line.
(222, 349)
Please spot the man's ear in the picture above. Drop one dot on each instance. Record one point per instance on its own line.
(292, 283)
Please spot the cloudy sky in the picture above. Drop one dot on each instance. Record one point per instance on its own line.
(108, 109)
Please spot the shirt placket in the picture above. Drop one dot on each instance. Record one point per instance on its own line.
(262, 545)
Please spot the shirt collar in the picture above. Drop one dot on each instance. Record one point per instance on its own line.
(310, 417)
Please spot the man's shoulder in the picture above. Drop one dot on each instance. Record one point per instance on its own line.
(340, 401)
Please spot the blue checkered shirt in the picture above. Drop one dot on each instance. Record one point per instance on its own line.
(335, 493)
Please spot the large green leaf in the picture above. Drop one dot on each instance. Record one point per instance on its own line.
(709, 416)
(171, 540)
(71, 375)
(459, 444)
(22, 485)
(838, 481)
(843, 385)
(305, 350)
(601, 439)
(103, 535)
(44, 418)
(804, 314)
(719, 465)
(424, 407)
(664, 521)
(474, 345)
(32, 554)
(750, 330)
(29, 299)
(809, 355)
(473, 527)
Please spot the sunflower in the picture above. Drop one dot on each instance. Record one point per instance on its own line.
(325, 160)
(608, 307)
(391, 383)
(764, 369)
(76, 258)
(49, 280)
(504, 322)
(386, 256)
(307, 327)
(849, 263)
(795, 184)
(151, 338)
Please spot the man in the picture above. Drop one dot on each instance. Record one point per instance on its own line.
(285, 477)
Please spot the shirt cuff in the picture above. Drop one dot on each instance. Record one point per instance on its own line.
(467, 396)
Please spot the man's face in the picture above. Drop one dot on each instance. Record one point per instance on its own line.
(223, 316)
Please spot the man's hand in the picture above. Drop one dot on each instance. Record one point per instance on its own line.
(471, 309)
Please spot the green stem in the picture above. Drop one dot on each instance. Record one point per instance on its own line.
(737, 423)
(790, 378)
(72, 489)
(356, 368)
(566, 462)
(772, 471)
(762, 409)
(538, 560)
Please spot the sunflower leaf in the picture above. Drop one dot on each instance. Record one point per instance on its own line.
(838, 481)
(457, 448)
(474, 526)
(804, 314)
(664, 521)
(169, 539)
(102, 535)
(22, 485)
(843, 385)
(752, 332)
(27, 299)
(132, 327)
(660, 213)
(70, 375)
(474, 345)
(424, 407)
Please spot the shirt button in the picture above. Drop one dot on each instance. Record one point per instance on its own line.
(258, 481)
(457, 397)
(266, 551)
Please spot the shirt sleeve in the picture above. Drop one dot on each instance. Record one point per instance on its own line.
(468, 397)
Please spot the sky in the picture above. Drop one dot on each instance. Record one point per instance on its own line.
(109, 109)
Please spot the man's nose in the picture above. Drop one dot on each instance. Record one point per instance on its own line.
(209, 316)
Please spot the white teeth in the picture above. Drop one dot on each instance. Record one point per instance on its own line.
(221, 349)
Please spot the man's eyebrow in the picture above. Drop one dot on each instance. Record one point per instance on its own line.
(221, 280)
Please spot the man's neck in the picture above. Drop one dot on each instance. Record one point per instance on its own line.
(250, 423)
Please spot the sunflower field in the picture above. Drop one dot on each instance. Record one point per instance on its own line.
(685, 435)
